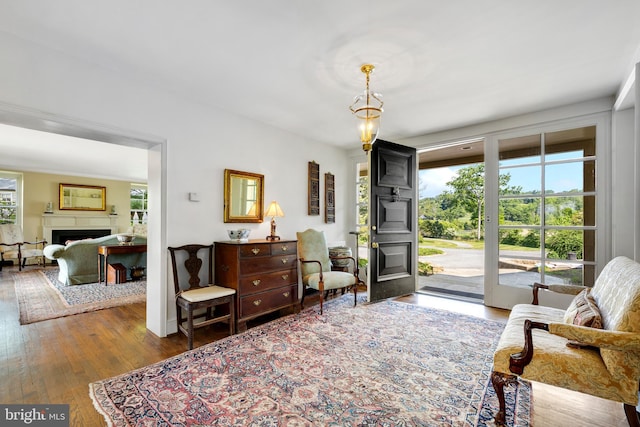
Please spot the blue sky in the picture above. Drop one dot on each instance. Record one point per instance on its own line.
(562, 177)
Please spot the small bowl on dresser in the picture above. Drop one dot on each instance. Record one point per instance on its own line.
(239, 235)
(125, 239)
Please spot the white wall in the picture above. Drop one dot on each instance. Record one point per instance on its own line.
(623, 165)
(199, 142)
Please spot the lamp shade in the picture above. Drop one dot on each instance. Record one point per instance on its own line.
(274, 210)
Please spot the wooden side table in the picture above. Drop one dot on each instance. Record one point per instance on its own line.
(105, 251)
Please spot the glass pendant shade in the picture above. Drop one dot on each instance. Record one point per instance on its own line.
(368, 110)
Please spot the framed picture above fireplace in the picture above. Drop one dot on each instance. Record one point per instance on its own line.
(82, 197)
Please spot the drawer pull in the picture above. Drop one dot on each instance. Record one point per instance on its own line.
(256, 282)
(284, 248)
(285, 276)
(286, 294)
(257, 302)
(284, 260)
(255, 251)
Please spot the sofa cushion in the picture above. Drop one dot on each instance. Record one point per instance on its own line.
(583, 311)
(617, 294)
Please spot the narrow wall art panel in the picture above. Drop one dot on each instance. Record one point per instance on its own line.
(329, 198)
(314, 188)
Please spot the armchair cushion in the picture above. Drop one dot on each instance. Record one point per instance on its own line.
(312, 245)
(332, 280)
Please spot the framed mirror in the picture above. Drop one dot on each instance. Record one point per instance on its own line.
(82, 197)
(243, 196)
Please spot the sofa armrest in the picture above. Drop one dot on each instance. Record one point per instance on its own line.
(602, 338)
(54, 251)
(561, 289)
(518, 361)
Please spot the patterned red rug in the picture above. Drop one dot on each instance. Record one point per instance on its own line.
(383, 364)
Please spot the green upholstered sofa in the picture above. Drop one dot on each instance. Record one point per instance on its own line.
(78, 260)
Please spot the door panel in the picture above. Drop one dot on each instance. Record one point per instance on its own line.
(396, 215)
(394, 261)
(393, 220)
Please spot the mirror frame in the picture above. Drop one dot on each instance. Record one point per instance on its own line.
(229, 176)
(87, 197)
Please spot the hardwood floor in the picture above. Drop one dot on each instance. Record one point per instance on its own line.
(55, 360)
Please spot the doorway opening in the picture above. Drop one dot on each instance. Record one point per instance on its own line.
(450, 221)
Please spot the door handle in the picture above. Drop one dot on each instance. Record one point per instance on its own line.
(374, 245)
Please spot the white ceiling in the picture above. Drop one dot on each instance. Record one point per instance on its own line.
(296, 64)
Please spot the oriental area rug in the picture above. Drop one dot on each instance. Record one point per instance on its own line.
(382, 364)
(41, 296)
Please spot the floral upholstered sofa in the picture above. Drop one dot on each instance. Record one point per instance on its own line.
(592, 347)
(78, 260)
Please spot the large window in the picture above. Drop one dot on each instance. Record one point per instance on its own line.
(139, 200)
(549, 207)
(10, 186)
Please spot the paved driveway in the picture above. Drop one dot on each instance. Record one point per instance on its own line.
(461, 270)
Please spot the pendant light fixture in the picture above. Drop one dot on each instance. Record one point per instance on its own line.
(368, 109)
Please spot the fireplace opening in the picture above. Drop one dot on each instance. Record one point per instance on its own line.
(61, 236)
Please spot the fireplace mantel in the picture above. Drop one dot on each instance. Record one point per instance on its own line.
(77, 222)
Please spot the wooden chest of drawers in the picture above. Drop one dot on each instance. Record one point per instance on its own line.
(263, 273)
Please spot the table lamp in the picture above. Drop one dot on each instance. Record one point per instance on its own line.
(273, 211)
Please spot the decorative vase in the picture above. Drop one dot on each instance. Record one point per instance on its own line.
(340, 251)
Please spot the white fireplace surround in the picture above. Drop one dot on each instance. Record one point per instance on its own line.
(52, 222)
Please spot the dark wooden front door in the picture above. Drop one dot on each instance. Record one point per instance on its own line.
(393, 231)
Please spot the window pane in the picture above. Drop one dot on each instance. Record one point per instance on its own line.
(519, 242)
(570, 210)
(518, 272)
(521, 180)
(520, 211)
(570, 144)
(564, 273)
(570, 177)
(138, 199)
(8, 199)
(563, 244)
(519, 151)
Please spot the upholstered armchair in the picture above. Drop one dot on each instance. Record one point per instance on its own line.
(592, 347)
(315, 265)
(13, 246)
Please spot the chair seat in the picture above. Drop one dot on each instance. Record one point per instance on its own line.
(332, 280)
(26, 253)
(206, 293)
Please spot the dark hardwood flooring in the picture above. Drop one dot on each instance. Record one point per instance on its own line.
(54, 361)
